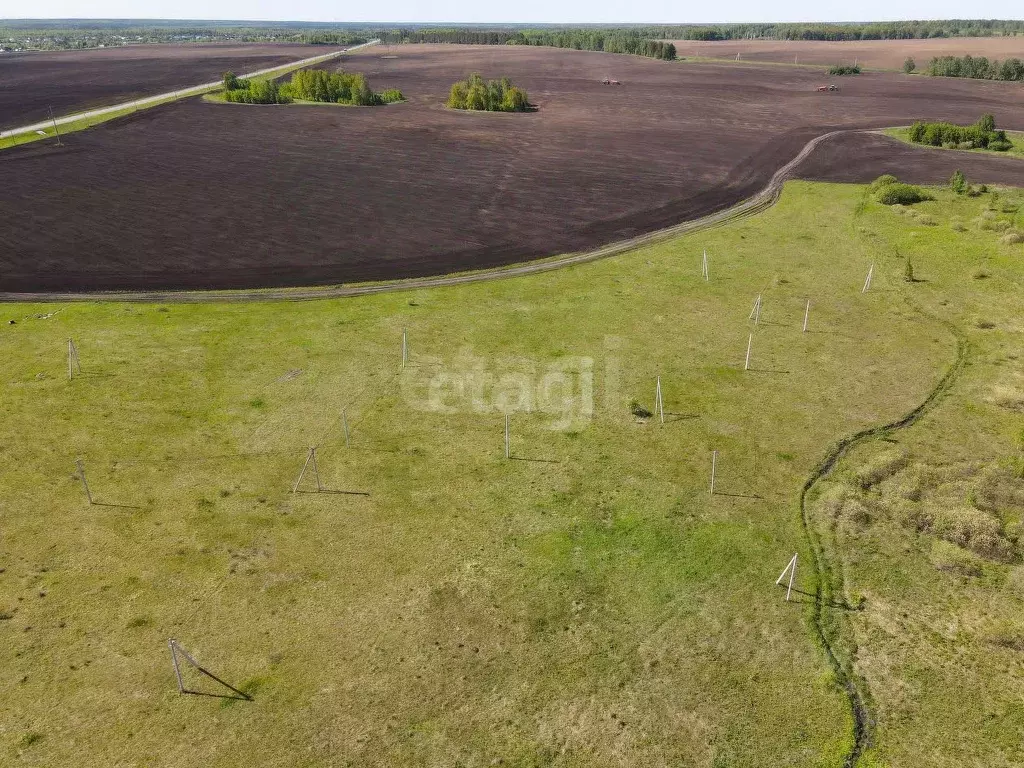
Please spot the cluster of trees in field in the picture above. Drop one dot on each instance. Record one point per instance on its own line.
(239, 91)
(981, 135)
(308, 85)
(338, 88)
(844, 69)
(977, 67)
(490, 96)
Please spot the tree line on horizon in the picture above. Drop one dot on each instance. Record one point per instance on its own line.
(616, 38)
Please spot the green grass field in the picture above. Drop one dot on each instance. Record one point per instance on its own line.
(586, 603)
(1015, 137)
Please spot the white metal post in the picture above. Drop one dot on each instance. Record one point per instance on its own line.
(308, 457)
(659, 403)
(807, 312)
(177, 670)
(867, 282)
(750, 341)
(791, 570)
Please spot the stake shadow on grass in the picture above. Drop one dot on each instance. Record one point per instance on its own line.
(754, 496)
(841, 605)
(680, 416)
(535, 460)
(332, 490)
(87, 374)
(767, 370)
(839, 334)
(217, 695)
(112, 504)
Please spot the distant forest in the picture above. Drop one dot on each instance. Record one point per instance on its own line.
(74, 34)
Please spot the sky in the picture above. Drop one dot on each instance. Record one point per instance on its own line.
(510, 11)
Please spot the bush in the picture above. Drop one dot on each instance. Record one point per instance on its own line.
(638, 410)
(1000, 145)
(391, 96)
(904, 194)
(1012, 238)
(844, 69)
(958, 182)
(884, 180)
(909, 65)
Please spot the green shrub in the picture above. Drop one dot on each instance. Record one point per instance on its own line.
(391, 96)
(909, 65)
(904, 194)
(882, 181)
(844, 69)
(1000, 145)
(639, 410)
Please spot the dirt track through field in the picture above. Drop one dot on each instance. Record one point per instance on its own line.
(198, 196)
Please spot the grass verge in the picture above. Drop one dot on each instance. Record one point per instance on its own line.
(587, 602)
(1016, 137)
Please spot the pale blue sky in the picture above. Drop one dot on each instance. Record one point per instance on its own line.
(518, 11)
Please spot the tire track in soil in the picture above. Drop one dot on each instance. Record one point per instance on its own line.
(855, 688)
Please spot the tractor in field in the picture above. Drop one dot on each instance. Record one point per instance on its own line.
(609, 81)
(825, 88)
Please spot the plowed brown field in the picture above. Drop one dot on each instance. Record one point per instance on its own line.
(74, 81)
(196, 195)
(877, 54)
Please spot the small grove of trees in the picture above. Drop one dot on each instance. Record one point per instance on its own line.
(976, 67)
(490, 96)
(981, 135)
(338, 88)
(844, 69)
(308, 85)
(239, 91)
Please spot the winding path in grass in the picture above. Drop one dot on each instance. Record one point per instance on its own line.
(856, 689)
